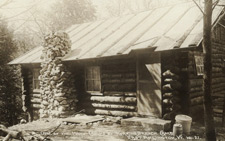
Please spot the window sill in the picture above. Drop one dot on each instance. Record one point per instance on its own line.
(36, 90)
(94, 93)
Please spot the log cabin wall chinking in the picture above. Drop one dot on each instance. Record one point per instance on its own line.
(144, 64)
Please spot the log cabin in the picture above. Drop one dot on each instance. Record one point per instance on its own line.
(144, 64)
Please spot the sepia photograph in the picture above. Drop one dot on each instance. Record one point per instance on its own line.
(112, 70)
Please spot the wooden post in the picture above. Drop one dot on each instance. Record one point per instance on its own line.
(207, 77)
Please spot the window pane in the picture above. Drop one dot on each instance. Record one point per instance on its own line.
(89, 85)
(88, 73)
(93, 79)
(36, 84)
(96, 73)
(36, 73)
(97, 85)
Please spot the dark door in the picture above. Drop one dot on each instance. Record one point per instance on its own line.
(149, 85)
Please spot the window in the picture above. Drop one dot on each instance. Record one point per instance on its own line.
(36, 81)
(93, 78)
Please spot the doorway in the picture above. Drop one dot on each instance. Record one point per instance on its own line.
(149, 85)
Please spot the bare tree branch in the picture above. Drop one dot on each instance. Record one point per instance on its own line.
(217, 21)
(6, 3)
(222, 25)
(198, 7)
(215, 4)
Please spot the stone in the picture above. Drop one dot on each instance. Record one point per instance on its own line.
(62, 108)
(60, 98)
(64, 102)
(56, 103)
(60, 94)
(155, 124)
(44, 102)
(54, 76)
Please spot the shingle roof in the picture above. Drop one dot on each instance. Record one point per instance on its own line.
(166, 28)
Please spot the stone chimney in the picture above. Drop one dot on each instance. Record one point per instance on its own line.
(58, 92)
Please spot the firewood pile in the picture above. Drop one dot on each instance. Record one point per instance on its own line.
(58, 95)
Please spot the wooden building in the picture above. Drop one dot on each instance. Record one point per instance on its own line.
(145, 64)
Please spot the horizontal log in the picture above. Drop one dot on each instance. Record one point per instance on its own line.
(218, 64)
(36, 106)
(221, 95)
(107, 93)
(196, 94)
(217, 106)
(192, 75)
(218, 115)
(93, 93)
(119, 87)
(167, 110)
(218, 86)
(220, 111)
(197, 101)
(111, 112)
(175, 100)
(217, 90)
(175, 85)
(113, 106)
(168, 74)
(116, 71)
(167, 95)
(167, 102)
(220, 103)
(195, 82)
(119, 75)
(35, 95)
(196, 109)
(113, 99)
(219, 74)
(216, 60)
(35, 100)
(118, 81)
(118, 65)
(218, 80)
(195, 89)
(218, 99)
(174, 93)
(217, 69)
(176, 107)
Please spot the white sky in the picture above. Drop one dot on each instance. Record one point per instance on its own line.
(18, 12)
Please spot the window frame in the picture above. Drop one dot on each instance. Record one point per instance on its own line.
(86, 79)
(35, 80)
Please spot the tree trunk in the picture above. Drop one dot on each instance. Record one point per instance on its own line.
(207, 77)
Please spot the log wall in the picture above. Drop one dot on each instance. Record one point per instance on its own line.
(218, 71)
(174, 82)
(194, 88)
(218, 78)
(118, 90)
